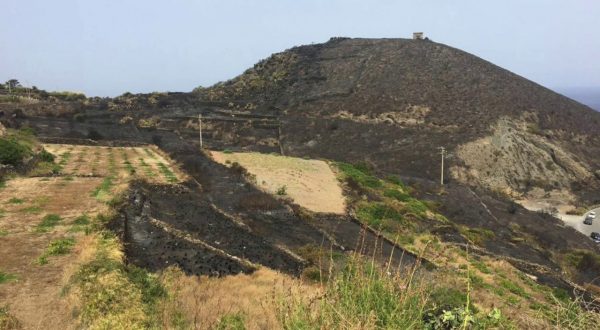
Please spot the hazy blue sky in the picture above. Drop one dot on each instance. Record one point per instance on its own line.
(109, 47)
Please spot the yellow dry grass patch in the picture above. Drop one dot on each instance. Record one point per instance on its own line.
(310, 183)
(256, 297)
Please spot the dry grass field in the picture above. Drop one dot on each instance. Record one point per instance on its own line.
(310, 183)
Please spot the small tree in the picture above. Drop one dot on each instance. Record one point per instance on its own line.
(12, 84)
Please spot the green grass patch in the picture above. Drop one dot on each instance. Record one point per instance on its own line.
(415, 207)
(146, 167)
(396, 180)
(103, 190)
(167, 173)
(3, 232)
(397, 195)
(56, 248)
(15, 200)
(80, 224)
(48, 222)
(231, 322)
(115, 295)
(360, 175)
(130, 169)
(481, 266)
(514, 288)
(149, 153)
(64, 158)
(6, 277)
(35, 209)
(375, 213)
(477, 235)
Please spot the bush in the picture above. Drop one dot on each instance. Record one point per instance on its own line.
(45, 156)
(282, 190)
(11, 152)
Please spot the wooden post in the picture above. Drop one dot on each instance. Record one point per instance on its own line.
(443, 150)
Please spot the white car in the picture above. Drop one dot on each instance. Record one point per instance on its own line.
(592, 215)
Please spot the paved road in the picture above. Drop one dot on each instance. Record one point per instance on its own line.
(576, 221)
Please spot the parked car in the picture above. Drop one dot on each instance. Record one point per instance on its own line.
(595, 236)
(588, 220)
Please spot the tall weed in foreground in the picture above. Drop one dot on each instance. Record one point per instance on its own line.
(572, 314)
(366, 295)
(361, 296)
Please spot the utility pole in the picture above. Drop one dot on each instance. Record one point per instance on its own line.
(443, 151)
(200, 129)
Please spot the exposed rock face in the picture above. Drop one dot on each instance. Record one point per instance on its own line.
(516, 158)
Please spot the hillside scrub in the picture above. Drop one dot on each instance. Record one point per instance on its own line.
(388, 205)
(365, 296)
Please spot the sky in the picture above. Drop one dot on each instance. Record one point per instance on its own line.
(106, 48)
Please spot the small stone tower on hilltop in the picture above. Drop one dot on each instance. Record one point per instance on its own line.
(417, 35)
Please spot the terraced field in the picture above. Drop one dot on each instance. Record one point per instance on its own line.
(44, 221)
(117, 162)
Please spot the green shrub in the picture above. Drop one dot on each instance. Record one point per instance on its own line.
(12, 152)
(282, 190)
(45, 156)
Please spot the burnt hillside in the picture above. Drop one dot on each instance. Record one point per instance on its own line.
(392, 102)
